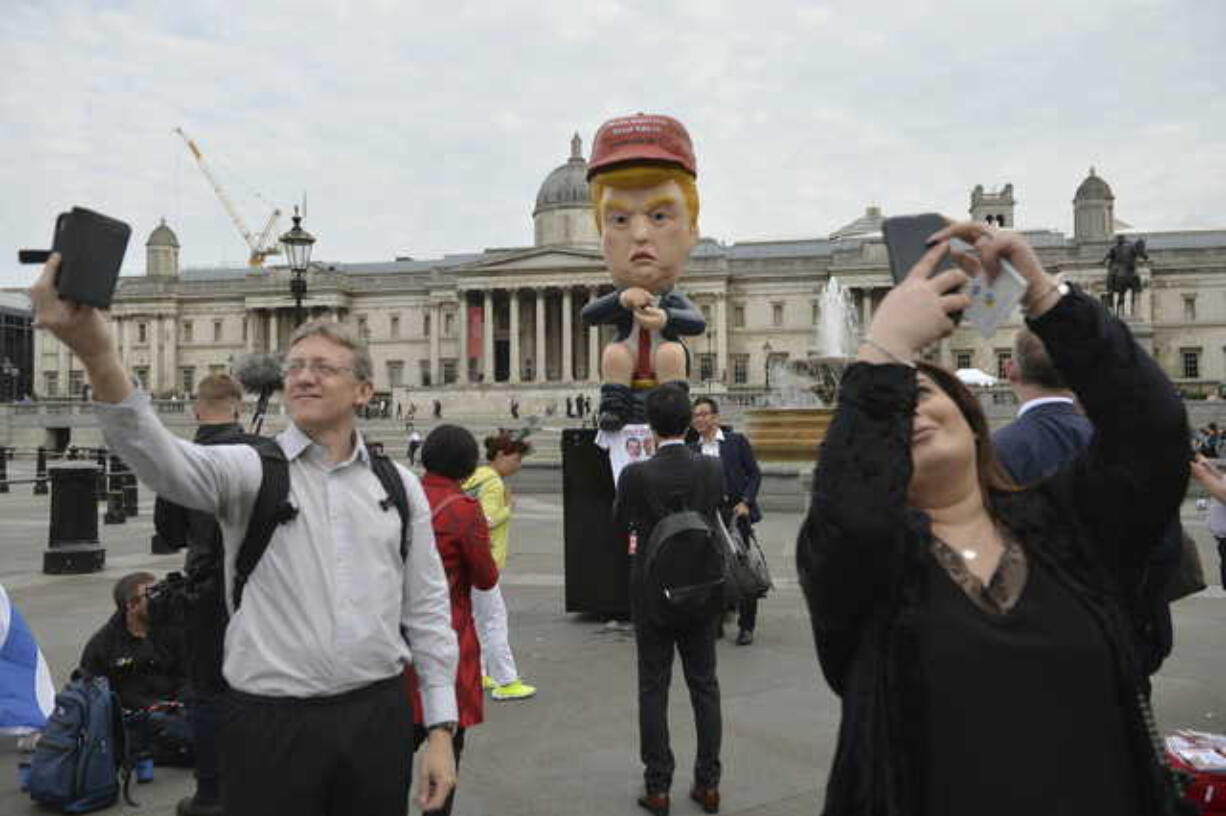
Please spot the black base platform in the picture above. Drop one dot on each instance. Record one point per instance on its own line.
(74, 559)
(597, 560)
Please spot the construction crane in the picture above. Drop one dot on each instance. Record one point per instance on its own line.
(261, 245)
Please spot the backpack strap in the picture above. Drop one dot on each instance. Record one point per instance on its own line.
(272, 509)
(397, 496)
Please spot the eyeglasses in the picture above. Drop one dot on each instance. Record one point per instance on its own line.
(320, 368)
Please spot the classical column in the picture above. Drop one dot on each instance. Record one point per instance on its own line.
(462, 363)
(172, 350)
(434, 321)
(249, 325)
(487, 337)
(273, 332)
(539, 350)
(153, 335)
(866, 309)
(593, 342)
(516, 363)
(568, 337)
(721, 336)
(63, 364)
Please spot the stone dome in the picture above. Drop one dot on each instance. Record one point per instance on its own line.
(867, 224)
(566, 186)
(163, 235)
(1093, 189)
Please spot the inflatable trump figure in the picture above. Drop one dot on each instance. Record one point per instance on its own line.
(642, 178)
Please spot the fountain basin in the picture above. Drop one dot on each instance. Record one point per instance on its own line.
(787, 434)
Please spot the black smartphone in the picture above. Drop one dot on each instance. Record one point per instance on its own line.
(906, 238)
(905, 241)
(92, 246)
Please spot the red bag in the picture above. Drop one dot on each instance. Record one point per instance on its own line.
(1201, 758)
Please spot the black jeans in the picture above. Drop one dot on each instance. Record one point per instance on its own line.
(457, 747)
(330, 756)
(696, 645)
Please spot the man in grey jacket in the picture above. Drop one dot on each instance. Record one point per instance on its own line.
(318, 720)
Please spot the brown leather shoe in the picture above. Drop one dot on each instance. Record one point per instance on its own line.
(654, 803)
(708, 798)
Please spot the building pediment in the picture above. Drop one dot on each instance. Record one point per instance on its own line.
(537, 259)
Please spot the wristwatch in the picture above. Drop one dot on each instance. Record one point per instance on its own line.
(449, 726)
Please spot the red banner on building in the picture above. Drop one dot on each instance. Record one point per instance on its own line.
(476, 322)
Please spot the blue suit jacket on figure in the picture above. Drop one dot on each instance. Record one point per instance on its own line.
(742, 478)
(683, 315)
(1042, 440)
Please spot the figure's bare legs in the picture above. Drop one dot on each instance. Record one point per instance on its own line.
(670, 362)
(616, 364)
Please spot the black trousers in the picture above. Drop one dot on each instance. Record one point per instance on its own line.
(1221, 553)
(457, 747)
(331, 756)
(696, 645)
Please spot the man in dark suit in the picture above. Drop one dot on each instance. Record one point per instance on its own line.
(1050, 430)
(648, 491)
(742, 478)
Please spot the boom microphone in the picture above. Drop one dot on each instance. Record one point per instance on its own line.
(260, 374)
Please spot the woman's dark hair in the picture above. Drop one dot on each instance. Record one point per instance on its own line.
(505, 442)
(993, 478)
(450, 451)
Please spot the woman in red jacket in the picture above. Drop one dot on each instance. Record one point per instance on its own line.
(463, 540)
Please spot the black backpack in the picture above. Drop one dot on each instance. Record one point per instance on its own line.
(272, 506)
(685, 572)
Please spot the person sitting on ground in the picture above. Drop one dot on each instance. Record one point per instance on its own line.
(463, 540)
(943, 597)
(505, 453)
(144, 665)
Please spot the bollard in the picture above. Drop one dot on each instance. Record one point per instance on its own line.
(101, 458)
(129, 495)
(73, 546)
(116, 471)
(4, 470)
(114, 508)
(40, 473)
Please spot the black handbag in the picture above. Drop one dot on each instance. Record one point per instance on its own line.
(749, 575)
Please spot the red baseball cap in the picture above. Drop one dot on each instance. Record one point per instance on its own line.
(641, 138)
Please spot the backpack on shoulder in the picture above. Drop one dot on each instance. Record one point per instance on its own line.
(685, 573)
(82, 755)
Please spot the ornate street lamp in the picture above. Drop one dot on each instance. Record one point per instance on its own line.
(766, 353)
(297, 245)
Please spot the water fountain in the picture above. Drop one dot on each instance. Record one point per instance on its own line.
(799, 405)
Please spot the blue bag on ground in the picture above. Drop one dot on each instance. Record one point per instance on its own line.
(76, 763)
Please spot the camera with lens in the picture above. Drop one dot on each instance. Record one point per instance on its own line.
(172, 599)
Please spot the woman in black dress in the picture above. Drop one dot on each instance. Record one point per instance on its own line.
(981, 635)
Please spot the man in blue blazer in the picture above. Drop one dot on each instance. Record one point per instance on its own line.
(1050, 430)
(742, 478)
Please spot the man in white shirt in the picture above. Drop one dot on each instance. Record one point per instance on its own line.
(318, 720)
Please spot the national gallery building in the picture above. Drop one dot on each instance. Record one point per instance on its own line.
(474, 330)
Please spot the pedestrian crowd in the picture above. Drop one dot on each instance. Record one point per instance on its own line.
(347, 614)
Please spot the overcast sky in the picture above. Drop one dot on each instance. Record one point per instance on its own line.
(423, 128)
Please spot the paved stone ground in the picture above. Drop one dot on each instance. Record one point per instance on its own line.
(573, 749)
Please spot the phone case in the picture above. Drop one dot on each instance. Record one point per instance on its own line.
(92, 247)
